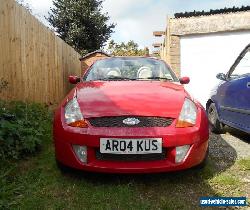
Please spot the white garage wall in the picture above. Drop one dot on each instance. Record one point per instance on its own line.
(204, 56)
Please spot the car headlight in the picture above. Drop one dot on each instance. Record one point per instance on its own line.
(188, 114)
(73, 115)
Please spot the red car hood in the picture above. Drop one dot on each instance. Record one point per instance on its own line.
(137, 98)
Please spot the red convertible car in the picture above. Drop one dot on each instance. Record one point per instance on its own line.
(130, 115)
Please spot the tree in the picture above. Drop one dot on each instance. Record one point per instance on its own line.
(81, 24)
(126, 49)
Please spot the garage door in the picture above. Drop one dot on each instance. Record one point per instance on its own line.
(204, 56)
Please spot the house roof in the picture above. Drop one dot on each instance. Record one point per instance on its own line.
(94, 52)
(212, 12)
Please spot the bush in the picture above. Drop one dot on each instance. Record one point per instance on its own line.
(23, 128)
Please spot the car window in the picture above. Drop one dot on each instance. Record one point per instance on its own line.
(243, 67)
(130, 69)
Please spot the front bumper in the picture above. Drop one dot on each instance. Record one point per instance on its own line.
(65, 137)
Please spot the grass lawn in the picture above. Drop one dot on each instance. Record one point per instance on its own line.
(36, 183)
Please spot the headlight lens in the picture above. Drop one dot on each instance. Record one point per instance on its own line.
(188, 114)
(73, 115)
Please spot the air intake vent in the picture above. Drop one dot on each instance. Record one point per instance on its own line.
(140, 121)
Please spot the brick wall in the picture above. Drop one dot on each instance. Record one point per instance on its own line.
(210, 24)
(174, 54)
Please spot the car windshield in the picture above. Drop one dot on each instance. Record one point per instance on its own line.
(129, 69)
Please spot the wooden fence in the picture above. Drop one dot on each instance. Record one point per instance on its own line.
(33, 60)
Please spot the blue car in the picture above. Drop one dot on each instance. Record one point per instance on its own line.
(229, 103)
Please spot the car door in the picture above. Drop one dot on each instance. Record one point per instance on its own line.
(235, 93)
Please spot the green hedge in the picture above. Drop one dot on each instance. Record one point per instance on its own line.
(23, 128)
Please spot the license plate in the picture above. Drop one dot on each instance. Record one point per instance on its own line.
(130, 146)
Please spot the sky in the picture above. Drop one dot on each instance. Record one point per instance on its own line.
(137, 19)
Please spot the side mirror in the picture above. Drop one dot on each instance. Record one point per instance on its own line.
(74, 79)
(184, 80)
(221, 76)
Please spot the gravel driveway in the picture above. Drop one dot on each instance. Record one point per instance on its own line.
(231, 146)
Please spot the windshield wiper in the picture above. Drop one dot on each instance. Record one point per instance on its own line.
(116, 78)
(156, 78)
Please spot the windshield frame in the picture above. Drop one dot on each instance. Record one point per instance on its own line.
(173, 75)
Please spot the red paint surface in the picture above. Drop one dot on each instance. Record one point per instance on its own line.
(116, 98)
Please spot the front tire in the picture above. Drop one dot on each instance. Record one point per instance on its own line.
(215, 125)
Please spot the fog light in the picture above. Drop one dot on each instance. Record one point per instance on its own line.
(81, 152)
(181, 153)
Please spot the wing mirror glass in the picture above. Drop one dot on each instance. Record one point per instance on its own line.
(74, 79)
(184, 80)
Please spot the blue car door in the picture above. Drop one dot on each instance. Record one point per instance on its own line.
(235, 94)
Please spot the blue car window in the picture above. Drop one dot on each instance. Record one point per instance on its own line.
(243, 67)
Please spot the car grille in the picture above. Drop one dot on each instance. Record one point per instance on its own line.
(118, 121)
(131, 157)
